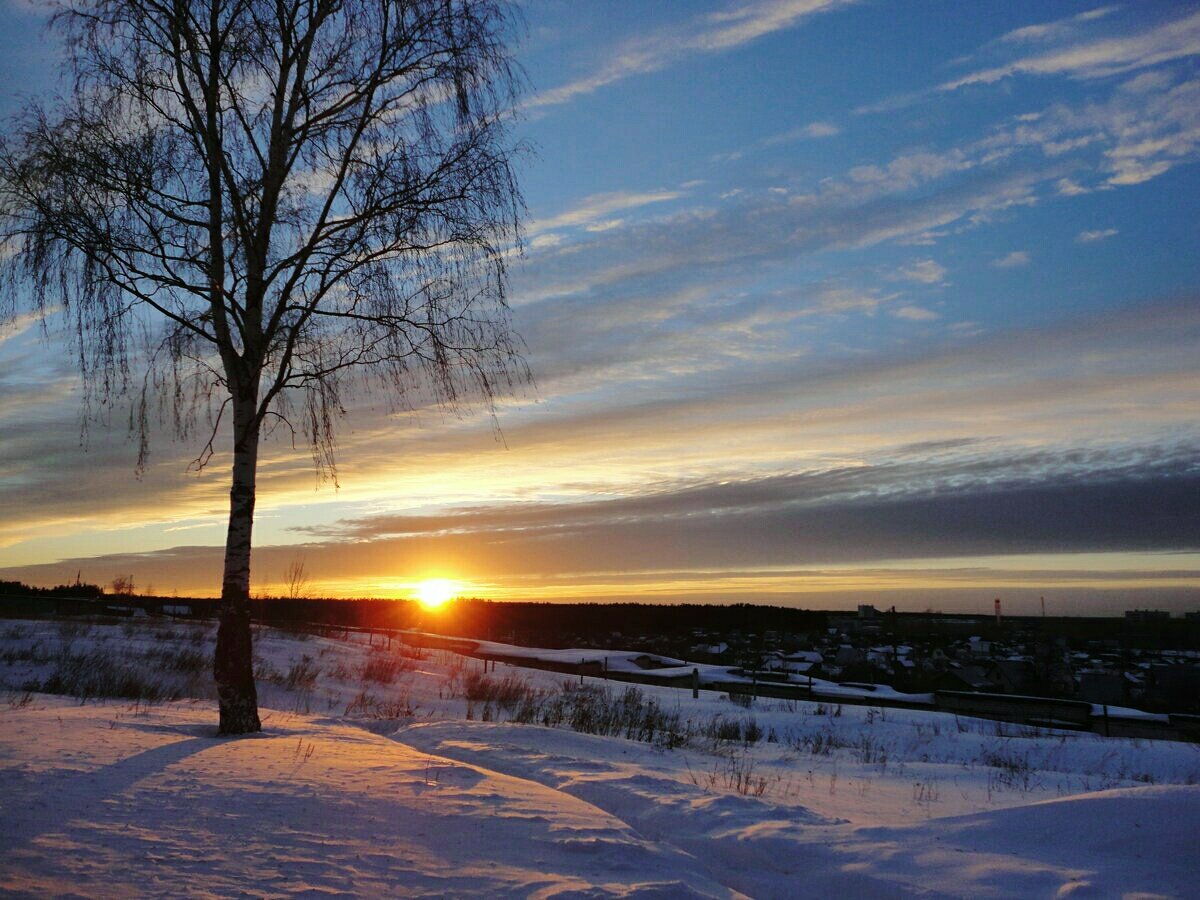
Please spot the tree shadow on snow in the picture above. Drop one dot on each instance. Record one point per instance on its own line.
(82, 795)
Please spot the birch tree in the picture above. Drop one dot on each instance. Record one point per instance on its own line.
(249, 211)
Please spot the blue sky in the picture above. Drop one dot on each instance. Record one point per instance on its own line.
(825, 300)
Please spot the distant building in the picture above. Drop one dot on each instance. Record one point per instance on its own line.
(801, 662)
(805, 662)
(977, 646)
(1146, 615)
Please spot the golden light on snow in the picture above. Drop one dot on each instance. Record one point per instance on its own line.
(433, 592)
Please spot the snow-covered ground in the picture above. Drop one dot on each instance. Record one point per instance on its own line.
(403, 771)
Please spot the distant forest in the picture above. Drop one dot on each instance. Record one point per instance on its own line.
(548, 623)
(78, 589)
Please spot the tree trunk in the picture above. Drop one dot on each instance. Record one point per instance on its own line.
(233, 666)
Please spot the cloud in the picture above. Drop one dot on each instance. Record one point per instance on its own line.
(1013, 260)
(1090, 237)
(1132, 137)
(545, 241)
(604, 225)
(14, 327)
(1175, 39)
(711, 33)
(924, 271)
(962, 474)
(839, 431)
(1068, 188)
(1057, 29)
(916, 197)
(693, 244)
(1080, 60)
(597, 207)
(811, 131)
(793, 527)
(1152, 133)
(1037, 503)
(915, 314)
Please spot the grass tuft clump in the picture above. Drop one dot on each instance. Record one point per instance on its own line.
(95, 675)
(384, 667)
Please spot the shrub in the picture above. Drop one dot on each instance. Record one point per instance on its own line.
(818, 743)
(302, 676)
(508, 692)
(339, 670)
(179, 659)
(365, 705)
(1010, 769)
(734, 773)
(383, 667)
(93, 675)
(722, 730)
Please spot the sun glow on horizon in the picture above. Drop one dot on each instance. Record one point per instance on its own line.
(435, 592)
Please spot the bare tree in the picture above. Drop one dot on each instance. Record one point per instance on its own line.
(264, 206)
(122, 586)
(296, 578)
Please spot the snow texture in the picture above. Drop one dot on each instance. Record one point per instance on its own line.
(377, 783)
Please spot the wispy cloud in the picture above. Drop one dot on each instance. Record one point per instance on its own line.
(598, 207)
(1075, 56)
(666, 46)
(915, 313)
(19, 324)
(626, 278)
(811, 131)
(925, 271)
(1175, 39)
(1068, 187)
(1090, 237)
(1057, 29)
(1013, 260)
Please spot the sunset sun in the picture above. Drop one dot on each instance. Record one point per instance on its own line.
(434, 592)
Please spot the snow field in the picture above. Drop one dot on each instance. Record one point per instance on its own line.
(756, 800)
(111, 803)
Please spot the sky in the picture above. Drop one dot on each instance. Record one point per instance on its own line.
(826, 302)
